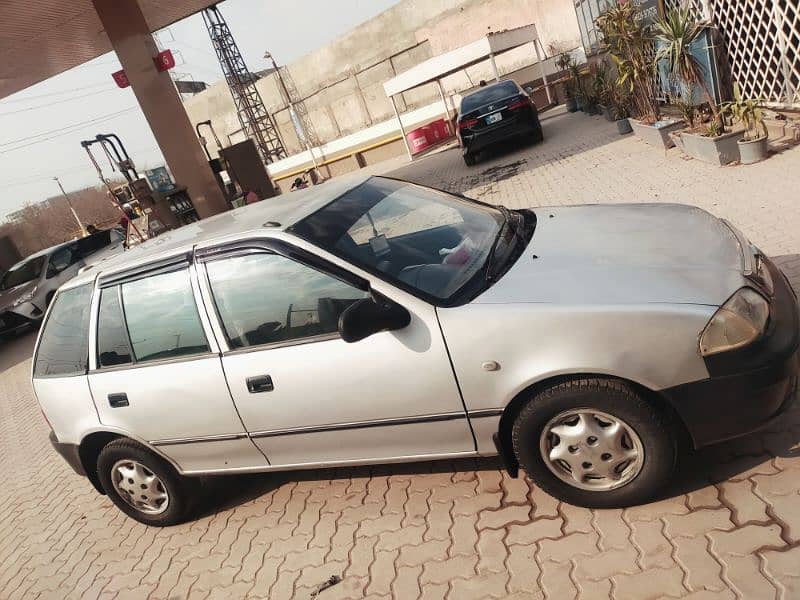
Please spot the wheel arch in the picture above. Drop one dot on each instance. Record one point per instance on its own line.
(515, 405)
(93, 443)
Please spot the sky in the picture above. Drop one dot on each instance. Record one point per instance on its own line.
(42, 127)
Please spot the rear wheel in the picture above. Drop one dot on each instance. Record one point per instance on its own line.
(469, 159)
(143, 485)
(595, 443)
(537, 135)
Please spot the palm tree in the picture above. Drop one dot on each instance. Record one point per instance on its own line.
(676, 32)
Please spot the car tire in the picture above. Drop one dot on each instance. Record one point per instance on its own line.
(125, 456)
(469, 159)
(537, 135)
(632, 455)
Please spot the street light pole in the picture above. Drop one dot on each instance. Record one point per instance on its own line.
(71, 209)
(293, 113)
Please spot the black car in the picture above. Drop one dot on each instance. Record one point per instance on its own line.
(495, 113)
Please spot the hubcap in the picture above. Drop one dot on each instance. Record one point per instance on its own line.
(139, 487)
(591, 450)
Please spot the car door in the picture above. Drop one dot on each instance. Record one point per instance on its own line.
(157, 375)
(308, 397)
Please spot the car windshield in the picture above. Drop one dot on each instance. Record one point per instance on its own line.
(417, 238)
(487, 95)
(22, 273)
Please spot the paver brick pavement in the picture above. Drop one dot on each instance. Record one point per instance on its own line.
(728, 526)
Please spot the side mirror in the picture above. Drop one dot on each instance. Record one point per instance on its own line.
(367, 317)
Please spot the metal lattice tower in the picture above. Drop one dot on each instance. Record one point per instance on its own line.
(256, 121)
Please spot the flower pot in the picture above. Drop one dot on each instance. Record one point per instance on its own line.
(572, 105)
(657, 134)
(580, 103)
(752, 151)
(624, 126)
(719, 150)
(606, 110)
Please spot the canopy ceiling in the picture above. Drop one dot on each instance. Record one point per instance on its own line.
(448, 63)
(42, 38)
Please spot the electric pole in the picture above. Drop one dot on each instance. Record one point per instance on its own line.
(71, 209)
(301, 128)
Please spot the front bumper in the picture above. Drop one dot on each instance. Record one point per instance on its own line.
(19, 318)
(749, 387)
(69, 452)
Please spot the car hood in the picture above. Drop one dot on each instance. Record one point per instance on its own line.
(8, 297)
(624, 254)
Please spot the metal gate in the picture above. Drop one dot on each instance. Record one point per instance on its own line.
(762, 42)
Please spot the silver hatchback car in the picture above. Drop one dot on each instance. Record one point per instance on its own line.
(373, 320)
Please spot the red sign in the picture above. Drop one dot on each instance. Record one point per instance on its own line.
(121, 79)
(164, 61)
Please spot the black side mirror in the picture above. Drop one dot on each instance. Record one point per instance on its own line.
(369, 316)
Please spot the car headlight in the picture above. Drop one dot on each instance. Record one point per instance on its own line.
(736, 323)
(23, 299)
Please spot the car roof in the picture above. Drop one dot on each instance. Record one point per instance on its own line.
(281, 212)
(44, 252)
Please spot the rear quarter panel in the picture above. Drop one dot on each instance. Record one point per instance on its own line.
(67, 403)
(654, 345)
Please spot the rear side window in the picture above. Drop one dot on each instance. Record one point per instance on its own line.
(489, 94)
(162, 317)
(64, 347)
(113, 344)
(267, 299)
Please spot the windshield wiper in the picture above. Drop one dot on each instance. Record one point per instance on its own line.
(506, 224)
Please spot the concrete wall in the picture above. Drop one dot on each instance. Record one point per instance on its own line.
(341, 84)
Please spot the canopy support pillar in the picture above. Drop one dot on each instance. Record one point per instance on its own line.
(536, 45)
(402, 129)
(444, 102)
(495, 72)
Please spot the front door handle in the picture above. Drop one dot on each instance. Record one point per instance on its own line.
(118, 400)
(260, 383)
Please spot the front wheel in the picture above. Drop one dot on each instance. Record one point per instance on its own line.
(143, 485)
(595, 443)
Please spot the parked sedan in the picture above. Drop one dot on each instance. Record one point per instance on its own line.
(493, 114)
(29, 286)
(377, 321)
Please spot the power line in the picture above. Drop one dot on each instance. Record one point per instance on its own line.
(72, 129)
(57, 102)
(80, 124)
(49, 94)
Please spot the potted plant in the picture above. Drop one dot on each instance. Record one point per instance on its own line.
(628, 40)
(675, 34)
(753, 146)
(577, 84)
(619, 110)
(564, 63)
(601, 89)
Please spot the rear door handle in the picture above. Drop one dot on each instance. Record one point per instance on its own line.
(259, 383)
(118, 400)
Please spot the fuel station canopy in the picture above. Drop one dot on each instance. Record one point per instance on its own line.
(42, 38)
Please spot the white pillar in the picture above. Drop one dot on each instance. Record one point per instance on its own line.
(494, 67)
(402, 129)
(536, 44)
(444, 103)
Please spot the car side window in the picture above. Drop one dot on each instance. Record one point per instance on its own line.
(113, 344)
(64, 346)
(59, 261)
(266, 298)
(162, 317)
